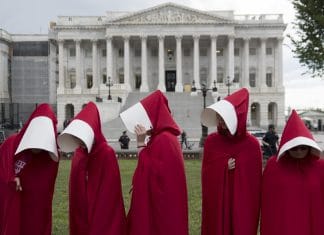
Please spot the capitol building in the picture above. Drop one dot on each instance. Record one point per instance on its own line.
(113, 58)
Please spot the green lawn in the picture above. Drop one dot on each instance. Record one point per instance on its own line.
(60, 204)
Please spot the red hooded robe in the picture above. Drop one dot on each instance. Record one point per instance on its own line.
(293, 189)
(96, 203)
(159, 196)
(28, 211)
(231, 198)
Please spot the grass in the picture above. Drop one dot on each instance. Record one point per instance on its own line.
(127, 167)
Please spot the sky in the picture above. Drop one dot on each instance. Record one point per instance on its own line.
(33, 16)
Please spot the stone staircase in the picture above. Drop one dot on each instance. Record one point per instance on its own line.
(185, 108)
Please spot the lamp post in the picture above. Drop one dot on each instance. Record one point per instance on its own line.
(203, 89)
(109, 84)
(228, 84)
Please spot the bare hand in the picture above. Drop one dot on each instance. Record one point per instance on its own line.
(231, 164)
(18, 185)
(140, 132)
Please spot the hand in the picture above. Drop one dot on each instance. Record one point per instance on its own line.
(18, 185)
(231, 164)
(140, 132)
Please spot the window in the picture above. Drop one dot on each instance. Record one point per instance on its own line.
(137, 52)
(269, 51)
(104, 53)
(203, 51)
(89, 81)
(220, 77)
(186, 52)
(252, 51)
(220, 51)
(170, 54)
(88, 52)
(121, 52)
(72, 52)
(71, 81)
(236, 51)
(252, 81)
(269, 79)
(154, 52)
(236, 77)
(104, 78)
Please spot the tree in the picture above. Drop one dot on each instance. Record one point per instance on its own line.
(309, 41)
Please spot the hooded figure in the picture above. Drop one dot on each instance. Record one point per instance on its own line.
(292, 189)
(159, 194)
(28, 169)
(95, 204)
(231, 170)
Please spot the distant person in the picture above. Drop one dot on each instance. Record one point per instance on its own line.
(292, 186)
(124, 140)
(96, 204)
(184, 139)
(231, 170)
(270, 142)
(28, 170)
(159, 193)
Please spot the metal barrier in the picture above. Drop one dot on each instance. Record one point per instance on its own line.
(133, 154)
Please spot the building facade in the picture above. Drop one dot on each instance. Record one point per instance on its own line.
(168, 47)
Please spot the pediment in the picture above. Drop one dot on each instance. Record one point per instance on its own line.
(170, 13)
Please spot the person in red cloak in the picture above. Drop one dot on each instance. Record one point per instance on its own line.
(28, 169)
(159, 193)
(292, 189)
(231, 170)
(95, 204)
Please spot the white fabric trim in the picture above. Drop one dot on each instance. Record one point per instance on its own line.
(226, 110)
(300, 141)
(134, 115)
(39, 135)
(77, 130)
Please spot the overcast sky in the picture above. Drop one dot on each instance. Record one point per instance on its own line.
(33, 16)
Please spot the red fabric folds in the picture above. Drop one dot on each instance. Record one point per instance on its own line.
(292, 197)
(28, 211)
(231, 199)
(96, 202)
(159, 196)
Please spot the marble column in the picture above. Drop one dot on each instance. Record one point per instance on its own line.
(179, 85)
(230, 68)
(144, 84)
(95, 82)
(213, 65)
(262, 69)
(78, 74)
(127, 63)
(278, 66)
(196, 61)
(246, 63)
(60, 89)
(161, 85)
(109, 57)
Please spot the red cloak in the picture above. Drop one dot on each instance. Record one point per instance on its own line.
(28, 211)
(293, 188)
(293, 197)
(231, 198)
(159, 196)
(96, 202)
